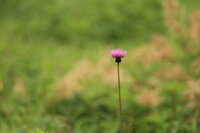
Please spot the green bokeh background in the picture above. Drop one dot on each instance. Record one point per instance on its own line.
(41, 41)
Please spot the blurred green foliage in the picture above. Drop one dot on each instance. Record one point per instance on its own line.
(76, 20)
(43, 41)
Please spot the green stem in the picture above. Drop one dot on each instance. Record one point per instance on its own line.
(120, 103)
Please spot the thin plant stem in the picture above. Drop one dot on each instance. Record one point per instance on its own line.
(120, 103)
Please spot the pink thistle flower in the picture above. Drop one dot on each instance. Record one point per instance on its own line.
(118, 54)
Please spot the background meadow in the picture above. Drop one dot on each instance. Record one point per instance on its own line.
(56, 73)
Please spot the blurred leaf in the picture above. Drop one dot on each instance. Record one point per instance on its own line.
(39, 131)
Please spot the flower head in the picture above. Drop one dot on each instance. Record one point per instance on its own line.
(118, 53)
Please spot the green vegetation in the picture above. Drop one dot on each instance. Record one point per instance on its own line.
(56, 73)
(79, 21)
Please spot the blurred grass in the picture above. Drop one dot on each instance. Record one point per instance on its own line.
(78, 21)
(43, 42)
